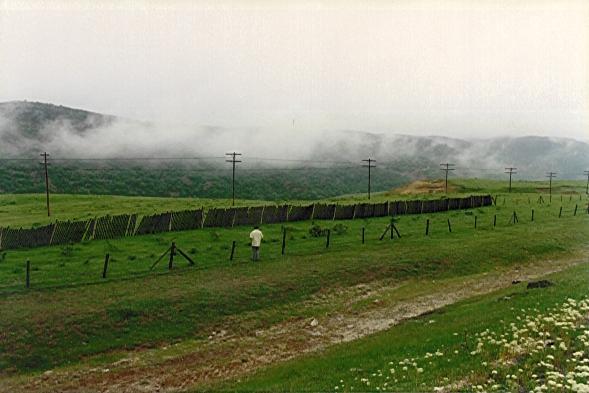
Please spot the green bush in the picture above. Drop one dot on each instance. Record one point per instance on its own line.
(340, 229)
(317, 231)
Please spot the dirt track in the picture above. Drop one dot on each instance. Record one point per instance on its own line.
(352, 313)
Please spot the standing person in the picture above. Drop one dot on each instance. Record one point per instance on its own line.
(256, 235)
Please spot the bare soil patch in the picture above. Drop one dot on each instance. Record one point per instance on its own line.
(423, 187)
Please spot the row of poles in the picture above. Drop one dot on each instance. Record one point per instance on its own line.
(390, 229)
(234, 159)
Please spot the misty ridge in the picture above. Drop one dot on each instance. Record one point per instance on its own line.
(28, 128)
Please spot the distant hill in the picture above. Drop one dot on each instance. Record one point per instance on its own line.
(28, 119)
(27, 128)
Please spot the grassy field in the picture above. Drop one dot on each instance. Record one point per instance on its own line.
(82, 263)
(441, 349)
(72, 317)
(30, 209)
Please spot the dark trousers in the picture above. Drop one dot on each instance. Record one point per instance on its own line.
(255, 253)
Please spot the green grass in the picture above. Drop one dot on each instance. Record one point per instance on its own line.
(133, 256)
(30, 209)
(71, 313)
(453, 328)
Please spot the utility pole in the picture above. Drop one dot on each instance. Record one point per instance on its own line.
(587, 189)
(369, 166)
(44, 163)
(550, 175)
(511, 172)
(233, 161)
(447, 168)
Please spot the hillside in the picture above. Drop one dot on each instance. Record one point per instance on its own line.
(306, 165)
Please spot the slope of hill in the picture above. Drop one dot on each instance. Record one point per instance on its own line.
(324, 164)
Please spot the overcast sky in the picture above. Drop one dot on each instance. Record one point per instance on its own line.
(446, 68)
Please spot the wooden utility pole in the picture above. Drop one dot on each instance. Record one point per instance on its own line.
(550, 175)
(233, 161)
(587, 189)
(510, 171)
(44, 163)
(447, 168)
(369, 166)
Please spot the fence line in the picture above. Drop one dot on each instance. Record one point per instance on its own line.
(320, 243)
(118, 226)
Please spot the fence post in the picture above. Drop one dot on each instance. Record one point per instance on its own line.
(514, 217)
(363, 230)
(449, 226)
(104, 269)
(575, 213)
(327, 240)
(283, 241)
(494, 220)
(475, 222)
(560, 212)
(28, 276)
(532, 214)
(232, 250)
(427, 227)
(172, 253)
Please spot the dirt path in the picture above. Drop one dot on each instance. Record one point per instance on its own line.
(343, 315)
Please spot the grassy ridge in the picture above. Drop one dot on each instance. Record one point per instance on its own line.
(134, 308)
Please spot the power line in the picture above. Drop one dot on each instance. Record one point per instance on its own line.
(136, 158)
(113, 158)
(298, 160)
(45, 155)
(550, 175)
(369, 166)
(511, 172)
(233, 161)
(446, 168)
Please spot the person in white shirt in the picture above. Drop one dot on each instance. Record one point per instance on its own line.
(256, 235)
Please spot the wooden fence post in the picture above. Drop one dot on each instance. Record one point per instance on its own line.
(104, 269)
(475, 222)
(532, 215)
(327, 240)
(449, 226)
(28, 274)
(232, 250)
(575, 213)
(494, 220)
(560, 212)
(427, 227)
(172, 253)
(363, 236)
(282, 250)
